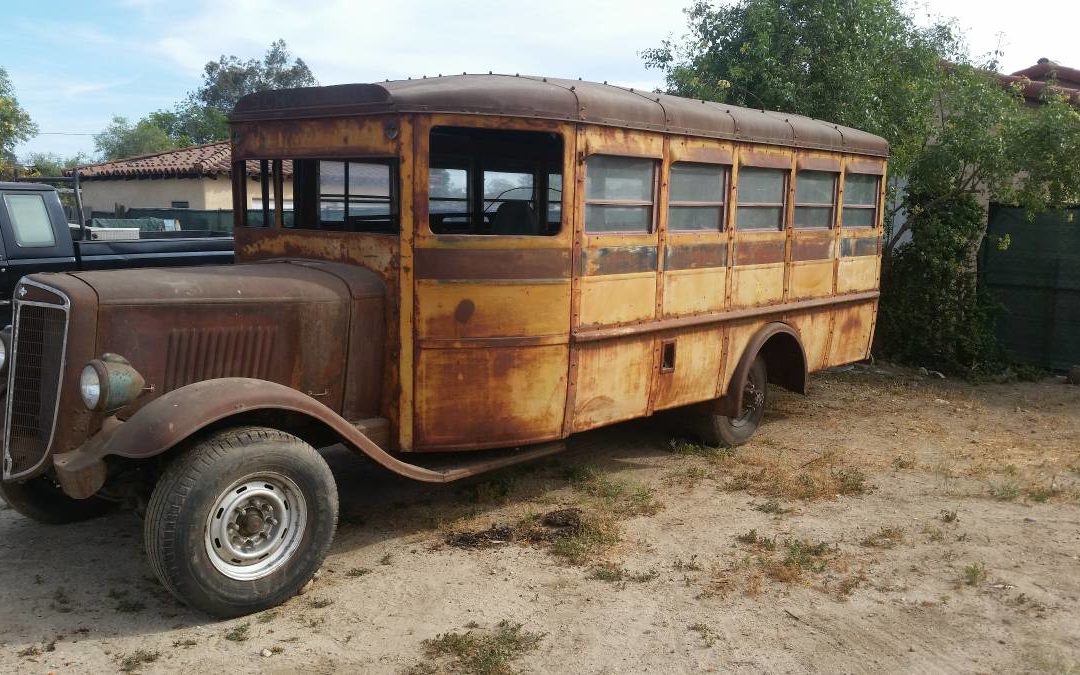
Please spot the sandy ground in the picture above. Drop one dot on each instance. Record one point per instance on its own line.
(953, 545)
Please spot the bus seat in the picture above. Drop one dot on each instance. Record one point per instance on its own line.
(515, 217)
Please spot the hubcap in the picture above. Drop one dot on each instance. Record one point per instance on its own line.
(255, 526)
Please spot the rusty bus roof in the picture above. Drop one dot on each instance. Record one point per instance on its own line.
(558, 99)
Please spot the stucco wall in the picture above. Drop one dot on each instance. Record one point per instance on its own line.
(199, 193)
(103, 195)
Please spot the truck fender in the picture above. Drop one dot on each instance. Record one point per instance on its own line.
(179, 414)
(785, 357)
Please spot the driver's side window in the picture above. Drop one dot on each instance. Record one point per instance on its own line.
(495, 182)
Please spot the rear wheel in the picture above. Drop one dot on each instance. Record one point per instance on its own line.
(241, 521)
(730, 432)
(41, 499)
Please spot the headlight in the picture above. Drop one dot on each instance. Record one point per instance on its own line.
(5, 339)
(109, 383)
(90, 386)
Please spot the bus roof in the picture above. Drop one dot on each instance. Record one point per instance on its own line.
(558, 99)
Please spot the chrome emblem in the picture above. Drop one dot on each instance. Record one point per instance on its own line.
(22, 291)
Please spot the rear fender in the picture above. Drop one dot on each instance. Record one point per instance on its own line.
(785, 362)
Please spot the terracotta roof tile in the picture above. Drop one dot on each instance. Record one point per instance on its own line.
(197, 161)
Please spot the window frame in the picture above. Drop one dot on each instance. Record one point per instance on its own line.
(782, 204)
(831, 206)
(654, 192)
(725, 188)
(393, 200)
(864, 207)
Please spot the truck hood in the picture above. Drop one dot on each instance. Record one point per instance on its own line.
(264, 282)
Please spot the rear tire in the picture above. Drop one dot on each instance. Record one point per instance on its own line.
(42, 500)
(731, 432)
(240, 521)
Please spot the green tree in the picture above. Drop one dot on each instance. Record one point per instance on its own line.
(958, 138)
(52, 164)
(123, 139)
(15, 124)
(192, 123)
(228, 79)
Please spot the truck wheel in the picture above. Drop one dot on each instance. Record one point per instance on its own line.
(240, 521)
(730, 432)
(42, 500)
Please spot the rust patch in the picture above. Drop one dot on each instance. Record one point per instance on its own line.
(449, 263)
(464, 311)
(807, 248)
(858, 246)
(759, 252)
(618, 260)
(695, 256)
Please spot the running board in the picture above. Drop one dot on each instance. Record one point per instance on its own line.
(446, 467)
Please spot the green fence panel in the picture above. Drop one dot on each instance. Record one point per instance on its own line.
(1037, 280)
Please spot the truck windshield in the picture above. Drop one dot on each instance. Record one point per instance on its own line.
(30, 220)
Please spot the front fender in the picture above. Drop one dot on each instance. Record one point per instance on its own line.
(182, 413)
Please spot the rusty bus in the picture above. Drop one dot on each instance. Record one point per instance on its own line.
(479, 264)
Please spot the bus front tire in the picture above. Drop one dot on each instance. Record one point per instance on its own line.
(730, 432)
(240, 521)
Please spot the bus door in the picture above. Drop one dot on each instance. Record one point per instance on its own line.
(492, 270)
(695, 247)
(858, 265)
(615, 276)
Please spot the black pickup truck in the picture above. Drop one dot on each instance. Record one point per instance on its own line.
(36, 237)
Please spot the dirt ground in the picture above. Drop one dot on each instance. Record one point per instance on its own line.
(888, 522)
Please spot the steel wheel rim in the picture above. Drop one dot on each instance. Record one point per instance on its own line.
(255, 526)
(753, 398)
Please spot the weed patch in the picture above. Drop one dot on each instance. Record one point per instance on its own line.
(239, 633)
(485, 653)
(886, 537)
(140, 657)
(974, 574)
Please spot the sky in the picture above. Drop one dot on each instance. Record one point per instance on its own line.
(74, 65)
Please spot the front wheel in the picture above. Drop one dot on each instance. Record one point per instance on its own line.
(730, 432)
(241, 521)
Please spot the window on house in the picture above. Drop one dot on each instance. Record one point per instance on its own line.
(696, 200)
(619, 194)
(860, 200)
(815, 199)
(495, 182)
(179, 205)
(760, 199)
(30, 220)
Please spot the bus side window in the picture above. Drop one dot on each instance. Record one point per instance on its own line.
(619, 194)
(760, 195)
(697, 197)
(860, 200)
(815, 199)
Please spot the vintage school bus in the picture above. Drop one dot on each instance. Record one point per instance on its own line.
(481, 265)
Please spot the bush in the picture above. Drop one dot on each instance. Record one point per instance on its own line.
(932, 312)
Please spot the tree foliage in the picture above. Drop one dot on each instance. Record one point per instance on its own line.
(959, 139)
(228, 79)
(52, 164)
(122, 138)
(15, 123)
(202, 117)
